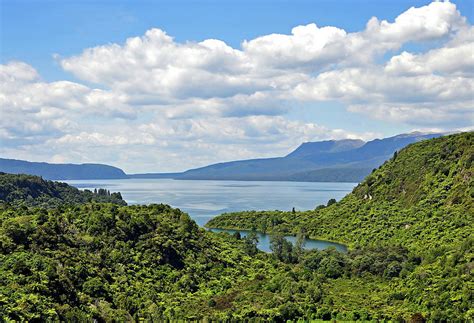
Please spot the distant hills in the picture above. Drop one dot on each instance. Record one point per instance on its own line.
(345, 160)
(61, 171)
(323, 161)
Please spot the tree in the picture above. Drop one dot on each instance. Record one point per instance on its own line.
(299, 245)
(282, 249)
(251, 241)
(263, 226)
(276, 244)
(331, 202)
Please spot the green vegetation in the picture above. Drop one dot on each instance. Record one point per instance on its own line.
(409, 226)
(29, 190)
(103, 261)
(422, 199)
(106, 262)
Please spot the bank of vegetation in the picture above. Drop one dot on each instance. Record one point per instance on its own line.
(409, 227)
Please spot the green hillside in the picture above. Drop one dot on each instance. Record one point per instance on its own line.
(29, 190)
(411, 257)
(421, 198)
(107, 262)
(128, 263)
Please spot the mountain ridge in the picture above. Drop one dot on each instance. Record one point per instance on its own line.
(61, 171)
(353, 159)
(327, 146)
(346, 160)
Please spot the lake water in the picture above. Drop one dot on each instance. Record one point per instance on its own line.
(203, 200)
(264, 241)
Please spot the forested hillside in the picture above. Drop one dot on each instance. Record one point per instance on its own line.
(409, 226)
(107, 262)
(421, 200)
(111, 263)
(422, 197)
(28, 190)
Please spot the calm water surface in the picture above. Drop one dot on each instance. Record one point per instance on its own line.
(203, 200)
(264, 241)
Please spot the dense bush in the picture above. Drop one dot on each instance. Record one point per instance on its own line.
(402, 223)
(29, 190)
(409, 226)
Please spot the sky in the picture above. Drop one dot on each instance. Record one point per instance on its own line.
(160, 86)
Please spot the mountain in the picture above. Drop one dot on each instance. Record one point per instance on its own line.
(333, 160)
(29, 190)
(311, 149)
(325, 161)
(61, 171)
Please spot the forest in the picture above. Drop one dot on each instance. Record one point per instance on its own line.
(29, 190)
(71, 255)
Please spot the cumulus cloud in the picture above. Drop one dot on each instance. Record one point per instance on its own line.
(429, 22)
(456, 58)
(33, 110)
(154, 96)
(165, 144)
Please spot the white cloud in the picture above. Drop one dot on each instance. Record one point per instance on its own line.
(429, 22)
(33, 110)
(308, 47)
(456, 58)
(155, 64)
(166, 144)
(155, 98)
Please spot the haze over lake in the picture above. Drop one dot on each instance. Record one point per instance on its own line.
(205, 199)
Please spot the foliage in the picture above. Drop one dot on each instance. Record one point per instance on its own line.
(29, 190)
(421, 199)
(107, 262)
(409, 226)
(104, 261)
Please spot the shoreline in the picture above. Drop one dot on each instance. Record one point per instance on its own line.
(348, 247)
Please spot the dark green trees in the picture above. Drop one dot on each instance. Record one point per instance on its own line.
(29, 190)
(281, 248)
(250, 243)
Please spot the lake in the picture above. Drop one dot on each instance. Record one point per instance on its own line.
(203, 200)
(264, 241)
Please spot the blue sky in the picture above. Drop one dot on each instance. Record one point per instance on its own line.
(32, 31)
(48, 39)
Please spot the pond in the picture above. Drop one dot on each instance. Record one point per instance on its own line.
(264, 241)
